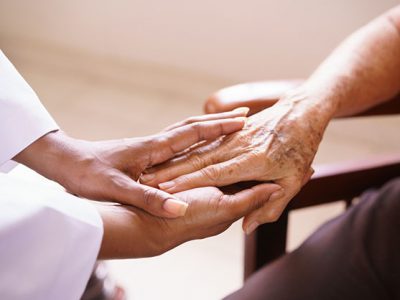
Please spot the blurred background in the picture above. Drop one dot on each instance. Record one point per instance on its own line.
(109, 69)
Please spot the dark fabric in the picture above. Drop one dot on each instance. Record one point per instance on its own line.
(354, 256)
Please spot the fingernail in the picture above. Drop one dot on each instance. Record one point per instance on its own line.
(166, 185)
(253, 226)
(147, 177)
(175, 207)
(243, 119)
(244, 110)
(276, 195)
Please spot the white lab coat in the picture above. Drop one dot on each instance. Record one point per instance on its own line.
(49, 239)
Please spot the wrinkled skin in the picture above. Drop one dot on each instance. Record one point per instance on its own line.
(276, 145)
(210, 212)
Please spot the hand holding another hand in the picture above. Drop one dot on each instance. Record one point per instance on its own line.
(130, 232)
(109, 170)
(277, 145)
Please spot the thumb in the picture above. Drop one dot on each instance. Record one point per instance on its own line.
(246, 201)
(154, 201)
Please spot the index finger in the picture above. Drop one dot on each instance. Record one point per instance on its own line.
(238, 112)
(167, 145)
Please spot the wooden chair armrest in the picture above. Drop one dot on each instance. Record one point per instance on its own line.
(346, 180)
(255, 95)
(263, 94)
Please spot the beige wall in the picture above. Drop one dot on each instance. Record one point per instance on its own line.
(237, 40)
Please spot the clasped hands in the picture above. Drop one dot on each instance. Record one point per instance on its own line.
(277, 145)
(165, 185)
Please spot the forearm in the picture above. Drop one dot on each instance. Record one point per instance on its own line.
(52, 156)
(115, 219)
(279, 143)
(362, 72)
(129, 232)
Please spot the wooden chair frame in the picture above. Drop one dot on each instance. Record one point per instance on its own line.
(330, 183)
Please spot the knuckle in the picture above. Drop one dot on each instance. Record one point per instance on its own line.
(257, 159)
(196, 161)
(150, 196)
(243, 138)
(221, 205)
(223, 199)
(273, 215)
(161, 139)
(197, 128)
(117, 181)
(233, 167)
(229, 208)
(149, 144)
(211, 173)
(255, 154)
(258, 201)
(165, 142)
(237, 210)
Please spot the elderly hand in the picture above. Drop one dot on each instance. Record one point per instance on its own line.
(130, 232)
(276, 145)
(108, 170)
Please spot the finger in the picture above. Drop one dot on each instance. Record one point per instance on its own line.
(220, 174)
(268, 213)
(243, 202)
(273, 209)
(192, 161)
(154, 201)
(167, 145)
(238, 112)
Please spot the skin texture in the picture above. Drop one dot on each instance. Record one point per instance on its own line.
(131, 232)
(279, 143)
(269, 148)
(109, 170)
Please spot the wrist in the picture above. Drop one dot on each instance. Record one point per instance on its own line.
(300, 116)
(131, 233)
(307, 110)
(50, 155)
(306, 101)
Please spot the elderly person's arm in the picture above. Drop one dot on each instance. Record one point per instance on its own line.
(279, 143)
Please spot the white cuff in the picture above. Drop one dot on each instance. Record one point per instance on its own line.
(23, 118)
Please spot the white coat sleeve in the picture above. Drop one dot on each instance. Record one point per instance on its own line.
(23, 119)
(49, 241)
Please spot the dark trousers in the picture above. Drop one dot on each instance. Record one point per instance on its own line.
(354, 256)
